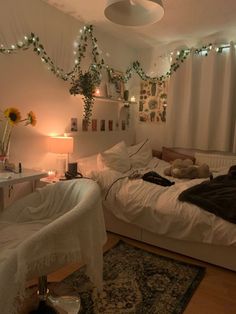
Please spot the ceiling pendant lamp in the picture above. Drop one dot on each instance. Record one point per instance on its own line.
(134, 12)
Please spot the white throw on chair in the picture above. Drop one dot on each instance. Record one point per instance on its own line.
(47, 229)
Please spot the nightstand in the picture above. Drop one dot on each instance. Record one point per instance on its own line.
(8, 179)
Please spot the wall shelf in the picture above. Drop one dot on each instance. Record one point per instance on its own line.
(107, 99)
(125, 103)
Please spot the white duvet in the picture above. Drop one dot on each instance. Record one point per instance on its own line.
(157, 208)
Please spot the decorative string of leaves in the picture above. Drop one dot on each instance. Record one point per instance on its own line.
(84, 83)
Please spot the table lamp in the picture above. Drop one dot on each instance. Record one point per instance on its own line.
(62, 146)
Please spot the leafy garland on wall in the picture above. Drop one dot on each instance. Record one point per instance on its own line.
(84, 83)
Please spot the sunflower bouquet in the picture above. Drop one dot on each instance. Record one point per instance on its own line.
(11, 117)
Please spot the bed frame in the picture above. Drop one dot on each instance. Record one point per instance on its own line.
(223, 256)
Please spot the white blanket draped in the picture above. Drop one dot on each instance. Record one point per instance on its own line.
(55, 225)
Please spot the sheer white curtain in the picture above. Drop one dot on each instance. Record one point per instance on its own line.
(202, 102)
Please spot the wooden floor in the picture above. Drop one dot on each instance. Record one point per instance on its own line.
(216, 293)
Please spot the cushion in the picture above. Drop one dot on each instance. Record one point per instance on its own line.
(88, 164)
(140, 154)
(170, 154)
(115, 158)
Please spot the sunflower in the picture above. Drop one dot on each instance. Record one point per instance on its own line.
(13, 115)
(31, 117)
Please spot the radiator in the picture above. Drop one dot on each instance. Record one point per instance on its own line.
(216, 162)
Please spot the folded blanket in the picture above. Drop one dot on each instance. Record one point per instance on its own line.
(217, 196)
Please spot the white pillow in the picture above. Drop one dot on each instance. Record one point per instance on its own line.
(140, 154)
(88, 164)
(115, 158)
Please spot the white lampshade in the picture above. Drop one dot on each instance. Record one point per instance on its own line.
(134, 12)
(60, 144)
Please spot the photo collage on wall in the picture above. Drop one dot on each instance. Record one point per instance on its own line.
(152, 102)
(99, 125)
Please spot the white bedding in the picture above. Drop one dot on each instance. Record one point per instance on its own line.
(157, 208)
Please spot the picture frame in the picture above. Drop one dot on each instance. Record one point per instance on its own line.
(73, 125)
(110, 125)
(84, 125)
(102, 125)
(115, 88)
(123, 124)
(94, 125)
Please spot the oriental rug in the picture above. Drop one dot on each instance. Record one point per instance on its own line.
(135, 282)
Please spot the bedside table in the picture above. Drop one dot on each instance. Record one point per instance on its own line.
(8, 179)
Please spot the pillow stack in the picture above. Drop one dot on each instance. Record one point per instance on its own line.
(119, 158)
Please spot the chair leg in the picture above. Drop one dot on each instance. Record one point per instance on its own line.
(43, 307)
(71, 304)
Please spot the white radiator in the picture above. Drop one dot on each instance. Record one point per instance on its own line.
(216, 162)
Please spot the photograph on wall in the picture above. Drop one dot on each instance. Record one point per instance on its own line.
(110, 125)
(73, 125)
(123, 125)
(102, 125)
(152, 102)
(84, 125)
(94, 124)
(115, 87)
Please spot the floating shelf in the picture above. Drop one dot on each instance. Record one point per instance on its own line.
(125, 103)
(108, 99)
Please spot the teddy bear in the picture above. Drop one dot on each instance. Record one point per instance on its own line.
(185, 169)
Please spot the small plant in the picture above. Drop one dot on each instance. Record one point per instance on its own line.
(85, 85)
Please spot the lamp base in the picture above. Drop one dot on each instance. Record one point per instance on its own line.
(44, 308)
(61, 165)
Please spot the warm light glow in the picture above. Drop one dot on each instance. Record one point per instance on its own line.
(51, 174)
(60, 144)
(97, 92)
(132, 99)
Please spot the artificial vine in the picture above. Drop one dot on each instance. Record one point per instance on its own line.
(84, 83)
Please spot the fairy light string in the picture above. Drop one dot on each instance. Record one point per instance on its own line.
(93, 74)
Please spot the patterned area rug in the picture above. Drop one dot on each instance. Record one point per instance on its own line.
(137, 282)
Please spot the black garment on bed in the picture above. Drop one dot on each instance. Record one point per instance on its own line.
(217, 196)
(154, 177)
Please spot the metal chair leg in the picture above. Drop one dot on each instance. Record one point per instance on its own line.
(71, 304)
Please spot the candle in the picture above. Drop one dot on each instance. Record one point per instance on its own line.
(132, 99)
(51, 174)
(97, 92)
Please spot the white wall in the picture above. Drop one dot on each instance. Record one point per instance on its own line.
(26, 83)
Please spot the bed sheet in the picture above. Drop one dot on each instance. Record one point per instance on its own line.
(157, 208)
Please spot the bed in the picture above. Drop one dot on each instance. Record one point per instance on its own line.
(152, 213)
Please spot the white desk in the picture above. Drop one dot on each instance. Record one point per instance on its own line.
(8, 179)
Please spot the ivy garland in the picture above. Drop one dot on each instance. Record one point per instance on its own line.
(84, 83)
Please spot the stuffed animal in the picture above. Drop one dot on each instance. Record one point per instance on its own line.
(184, 169)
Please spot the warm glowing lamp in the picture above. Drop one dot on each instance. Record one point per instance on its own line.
(61, 145)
